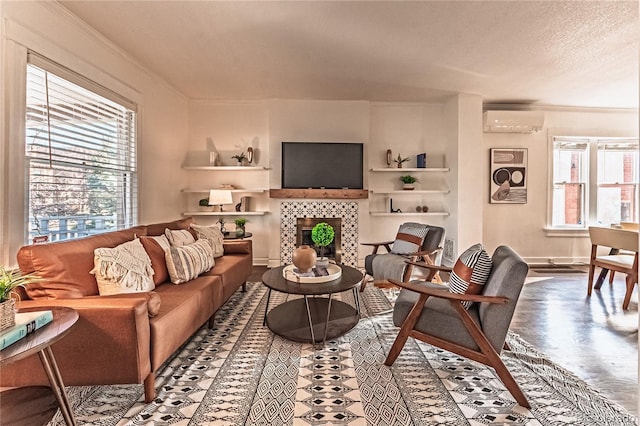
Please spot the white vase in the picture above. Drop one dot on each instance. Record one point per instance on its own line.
(323, 262)
(408, 186)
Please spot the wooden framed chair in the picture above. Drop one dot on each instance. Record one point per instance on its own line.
(431, 313)
(614, 240)
(428, 253)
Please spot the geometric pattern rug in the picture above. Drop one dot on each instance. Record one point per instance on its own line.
(239, 373)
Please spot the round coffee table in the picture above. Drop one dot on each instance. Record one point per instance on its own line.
(315, 317)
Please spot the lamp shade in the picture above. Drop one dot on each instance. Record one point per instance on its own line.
(220, 197)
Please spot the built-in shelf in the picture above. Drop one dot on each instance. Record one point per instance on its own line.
(203, 190)
(413, 191)
(410, 169)
(225, 213)
(226, 168)
(410, 214)
(319, 193)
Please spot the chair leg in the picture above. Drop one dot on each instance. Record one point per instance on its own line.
(611, 275)
(630, 281)
(405, 330)
(592, 270)
(365, 281)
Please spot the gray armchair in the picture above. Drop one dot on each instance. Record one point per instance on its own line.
(429, 312)
(382, 266)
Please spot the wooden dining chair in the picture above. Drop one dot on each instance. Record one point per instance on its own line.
(614, 240)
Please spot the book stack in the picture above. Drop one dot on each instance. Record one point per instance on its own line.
(26, 323)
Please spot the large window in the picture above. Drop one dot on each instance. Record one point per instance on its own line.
(595, 181)
(80, 155)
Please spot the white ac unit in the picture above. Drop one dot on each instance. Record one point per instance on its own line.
(513, 121)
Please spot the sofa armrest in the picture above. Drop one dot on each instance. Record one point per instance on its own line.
(109, 344)
(238, 247)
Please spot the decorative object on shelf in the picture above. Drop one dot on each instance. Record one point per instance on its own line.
(400, 160)
(213, 158)
(220, 197)
(240, 224)
(249, 155)
(391, 209)
(240, 158)
(204, 205)
(243, 205)
(408, 182)
(9, 281)
(418, 209)
(425, 209)
(421, 161)
(227, 186)
(508, 179)
(222, 228)
(389, 158)
(304, 258)
(322, 235)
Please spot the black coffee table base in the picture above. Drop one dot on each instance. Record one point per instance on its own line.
(291, 319)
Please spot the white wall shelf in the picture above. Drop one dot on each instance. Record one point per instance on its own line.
(410, 192)
(410, 169)
(225, 213)
(226, 168)
(235, 190)
(409, 214)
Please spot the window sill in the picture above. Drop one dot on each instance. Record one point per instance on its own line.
(566, 233)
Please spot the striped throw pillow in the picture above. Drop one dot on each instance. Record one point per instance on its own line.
(470, 272)
(409, 238)
(186, 262)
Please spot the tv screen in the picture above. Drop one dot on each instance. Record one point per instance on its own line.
(322, 165)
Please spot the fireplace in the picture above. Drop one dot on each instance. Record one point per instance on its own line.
(304, 225)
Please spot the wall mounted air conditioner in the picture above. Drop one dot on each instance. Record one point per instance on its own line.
(513, 121)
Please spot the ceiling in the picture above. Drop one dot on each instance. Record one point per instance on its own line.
(564, 53)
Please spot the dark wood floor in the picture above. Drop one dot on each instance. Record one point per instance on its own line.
(592, 337)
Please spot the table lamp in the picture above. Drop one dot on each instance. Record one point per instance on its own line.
(220, 197)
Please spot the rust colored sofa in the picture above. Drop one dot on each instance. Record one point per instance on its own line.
(116, 340)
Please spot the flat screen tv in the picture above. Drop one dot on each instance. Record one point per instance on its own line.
(331, 165)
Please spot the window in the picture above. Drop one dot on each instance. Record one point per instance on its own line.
(80, 155)
(595, 181)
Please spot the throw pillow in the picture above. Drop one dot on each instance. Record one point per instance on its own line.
(123, 269)
(187, 262)
(470, 272)
(155, 248)
(409, 238)
(179, 237)
(213, 235)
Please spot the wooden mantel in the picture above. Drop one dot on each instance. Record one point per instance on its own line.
(344, 194)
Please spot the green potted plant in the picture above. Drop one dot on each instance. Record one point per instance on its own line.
(322, 235)
(9, 281)
(408, 182)
(204, 205)
(240, 158)
(400, 160)
(240, 224)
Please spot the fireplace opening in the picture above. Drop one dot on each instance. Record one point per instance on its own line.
(304, 225)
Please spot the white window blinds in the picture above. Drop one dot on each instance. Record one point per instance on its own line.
(80, 154)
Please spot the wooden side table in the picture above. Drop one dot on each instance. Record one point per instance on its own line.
(40, 342)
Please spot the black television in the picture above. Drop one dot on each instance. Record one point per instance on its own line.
(330, 165)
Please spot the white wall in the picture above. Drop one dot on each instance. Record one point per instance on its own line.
(48, 29)
(522, 226)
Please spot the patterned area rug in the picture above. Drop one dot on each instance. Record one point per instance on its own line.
(239, 373)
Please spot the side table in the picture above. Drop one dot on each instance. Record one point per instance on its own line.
(40, 342)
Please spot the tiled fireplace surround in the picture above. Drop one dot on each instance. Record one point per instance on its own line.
(345, 210)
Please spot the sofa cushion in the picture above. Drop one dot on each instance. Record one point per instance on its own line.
(187, 262)
(213, 235)
(125, 268)
(155, 248)
(179, 237)
(234, 269)
(159, 228)
(470, 272)
(65, 266)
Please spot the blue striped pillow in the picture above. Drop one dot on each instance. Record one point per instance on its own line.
(470, 272)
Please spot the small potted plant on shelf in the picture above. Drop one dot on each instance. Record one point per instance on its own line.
(400, 160)
(240, 158)
(204, 205)
(240, 224)
(408, 182)
(322, 235)
(9, 281)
